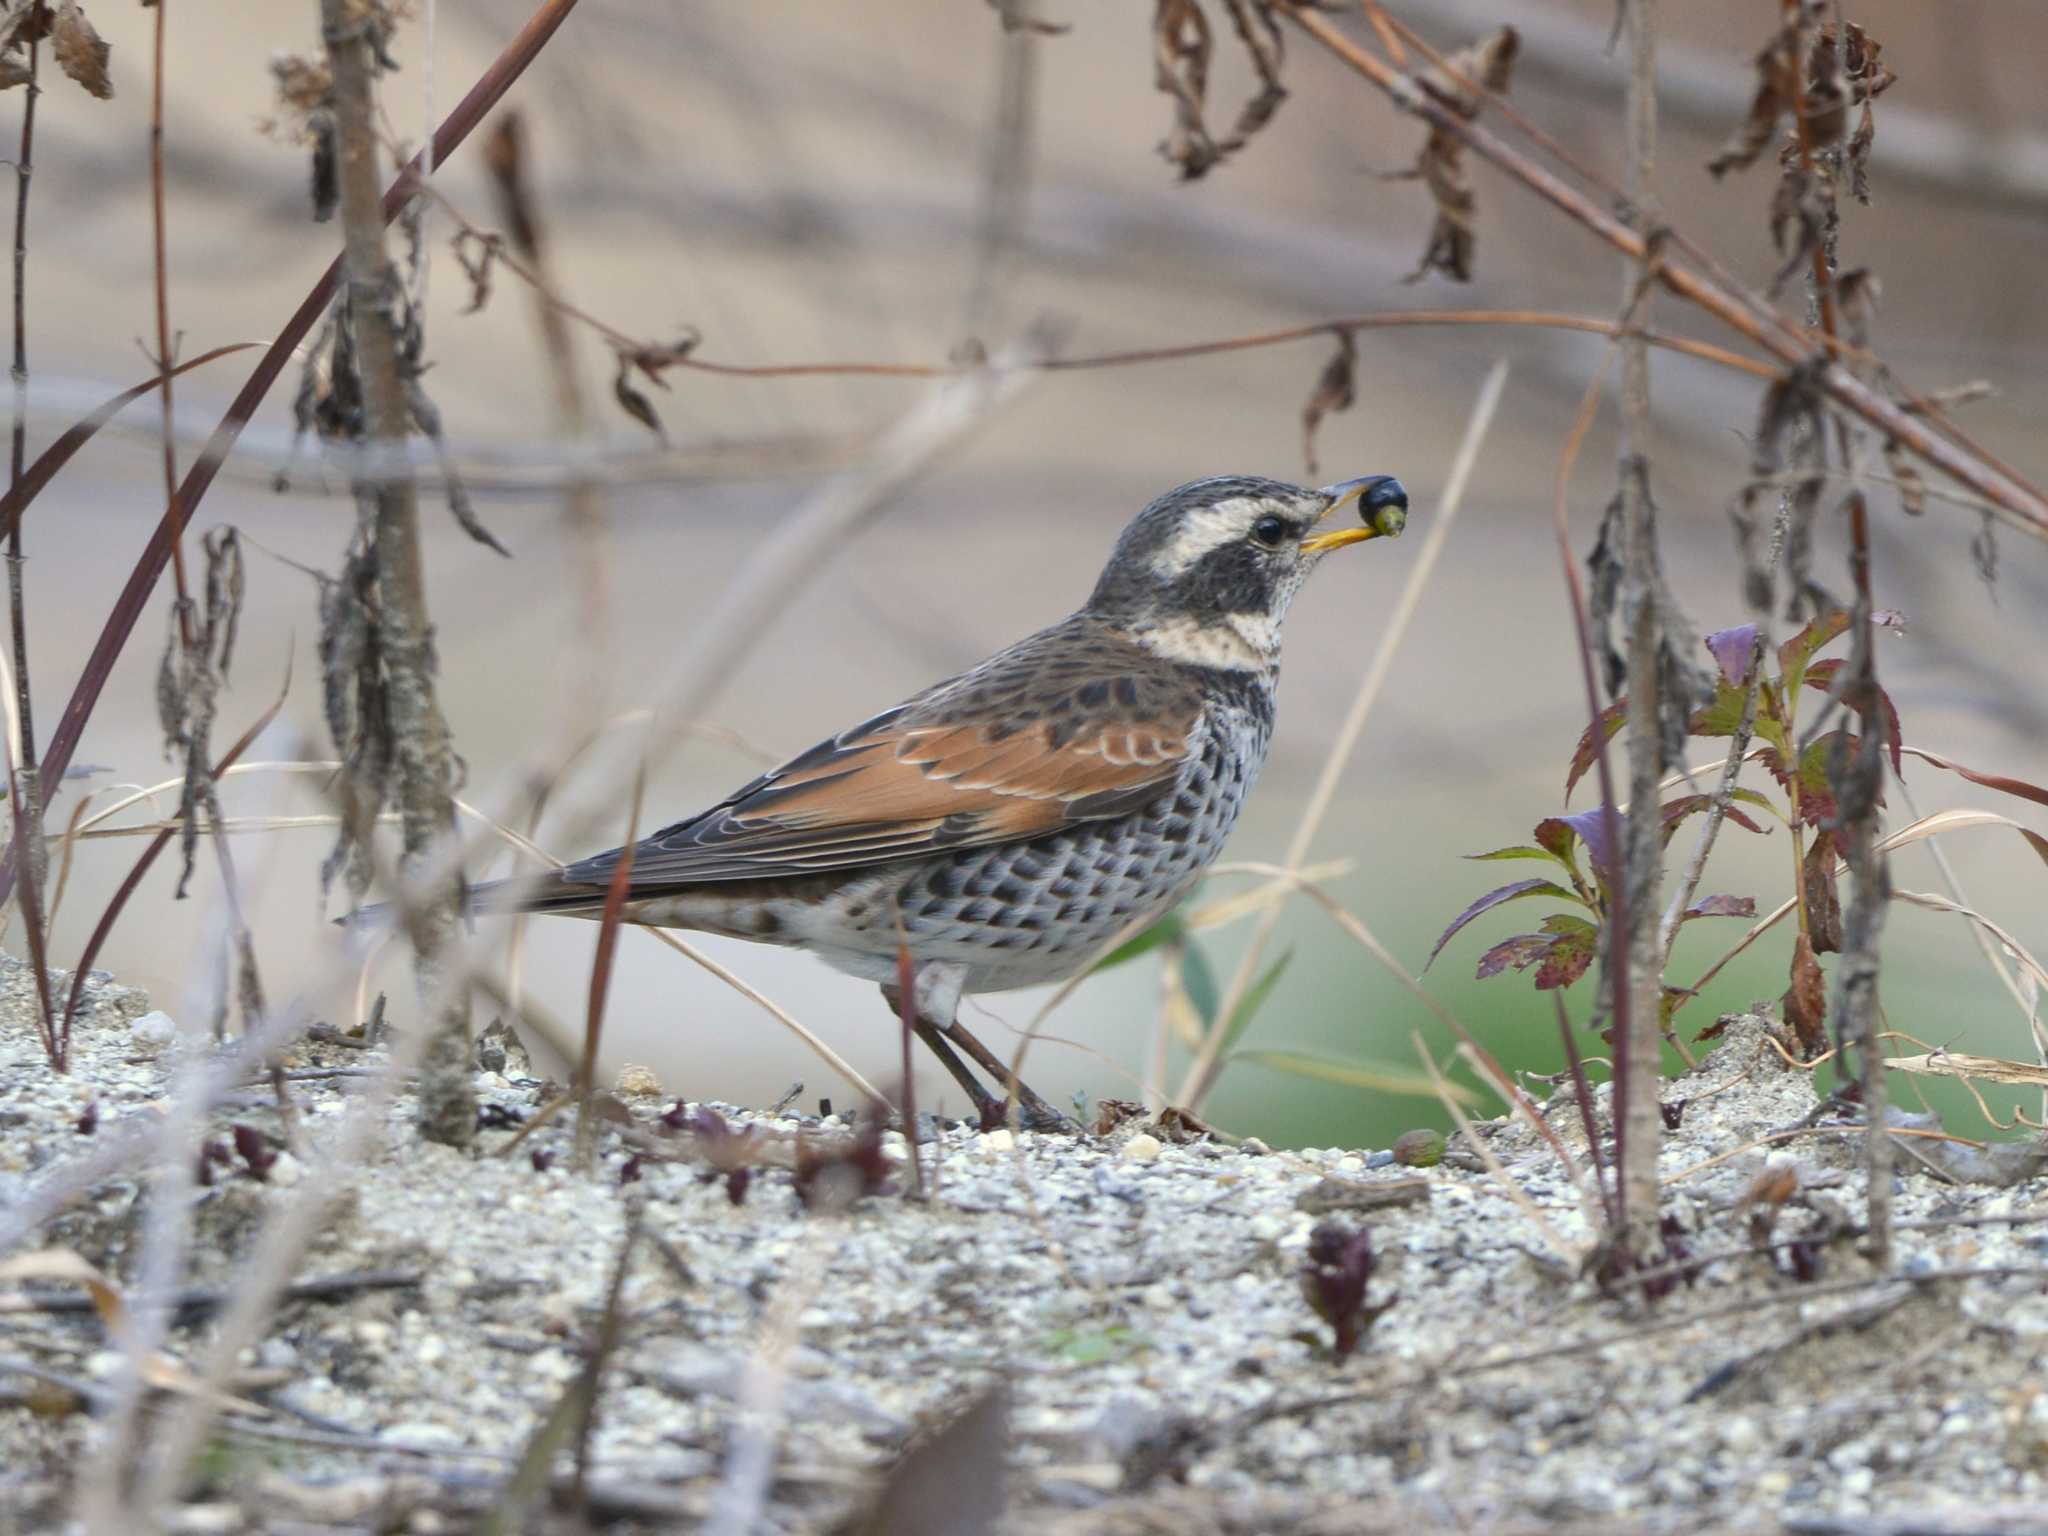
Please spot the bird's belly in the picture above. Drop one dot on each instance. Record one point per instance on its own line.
(1009, 914)
(1020, 914)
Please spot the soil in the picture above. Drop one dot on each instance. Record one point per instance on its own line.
(788, 1342)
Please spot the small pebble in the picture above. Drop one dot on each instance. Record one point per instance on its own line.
(1142, 1148)
(637, 1082)
(154, 1030)
(997, 1141)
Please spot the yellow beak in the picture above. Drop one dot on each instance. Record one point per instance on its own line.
(1383, 513)
(1337, 538)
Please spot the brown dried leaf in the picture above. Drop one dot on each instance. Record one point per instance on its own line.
(79, 51)
(1858, 156)
(1777, 86)
(1806, 1000)
(1110, 1114)
(1480, 69)
(1260, 34)
(326, 165)
(302, 82)
(1799, 218)
(1823, 896)
(1181, 45)
(13, 72)
(1461, 83)
(476, 254)
(633, 402)
(1858, 293)
(1867, 75)
(1334, 391)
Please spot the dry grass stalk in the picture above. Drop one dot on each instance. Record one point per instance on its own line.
(1201, 1074)
(423, 762)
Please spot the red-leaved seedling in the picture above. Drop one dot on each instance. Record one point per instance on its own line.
(1334, 1275)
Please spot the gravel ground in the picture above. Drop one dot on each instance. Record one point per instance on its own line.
(1138, 1297)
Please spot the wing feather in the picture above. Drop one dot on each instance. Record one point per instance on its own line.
(985, 758)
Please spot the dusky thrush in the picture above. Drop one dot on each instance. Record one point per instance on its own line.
(1006, 825)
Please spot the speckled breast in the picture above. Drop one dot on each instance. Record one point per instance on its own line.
(1021, 913)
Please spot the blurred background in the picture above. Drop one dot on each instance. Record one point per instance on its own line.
(806, 183)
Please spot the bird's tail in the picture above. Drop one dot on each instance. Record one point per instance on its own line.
(493, 898)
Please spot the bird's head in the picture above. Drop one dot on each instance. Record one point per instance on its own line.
(1206, 572)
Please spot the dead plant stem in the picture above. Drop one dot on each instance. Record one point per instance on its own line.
(1638, 1043)
(164, 359)
(424, 769)
(26, 785)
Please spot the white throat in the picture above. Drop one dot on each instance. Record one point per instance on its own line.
(1238, 642)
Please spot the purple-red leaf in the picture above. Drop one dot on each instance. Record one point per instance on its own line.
(1592, 830)
(1821, 675)
(1495, 898)
(1587, 752)
(1676, 811)
(1733, 651)
(1997, 781)
(1522, 951)
(1570, 952)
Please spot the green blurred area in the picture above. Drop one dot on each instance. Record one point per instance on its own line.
(1337, 1000)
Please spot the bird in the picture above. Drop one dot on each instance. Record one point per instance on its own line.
(1004, 828)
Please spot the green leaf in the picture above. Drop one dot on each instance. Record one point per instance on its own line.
(1796, 653)
(1378, 1077)
(1198, 980)
(1254, 1000)
(1166, 929)
(1723, 717)
(1495, 898)
(1521, 851)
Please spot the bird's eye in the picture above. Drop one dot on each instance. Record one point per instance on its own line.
(1270, 531)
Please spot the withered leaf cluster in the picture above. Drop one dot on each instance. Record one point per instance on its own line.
(1682, 685)
(78, 49)
(1461, 83)
(189, 680)
(1182, 47)
(304, 115)
(1813, 77)
(1788, 454)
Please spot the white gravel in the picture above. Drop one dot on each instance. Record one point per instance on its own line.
(1142, 1298)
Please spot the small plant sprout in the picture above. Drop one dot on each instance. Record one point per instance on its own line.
(1334, 1276)
(1564, 946)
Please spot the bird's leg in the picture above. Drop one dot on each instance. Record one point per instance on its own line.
(988, 1109)
(936, 1004)
(1033, 1112)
